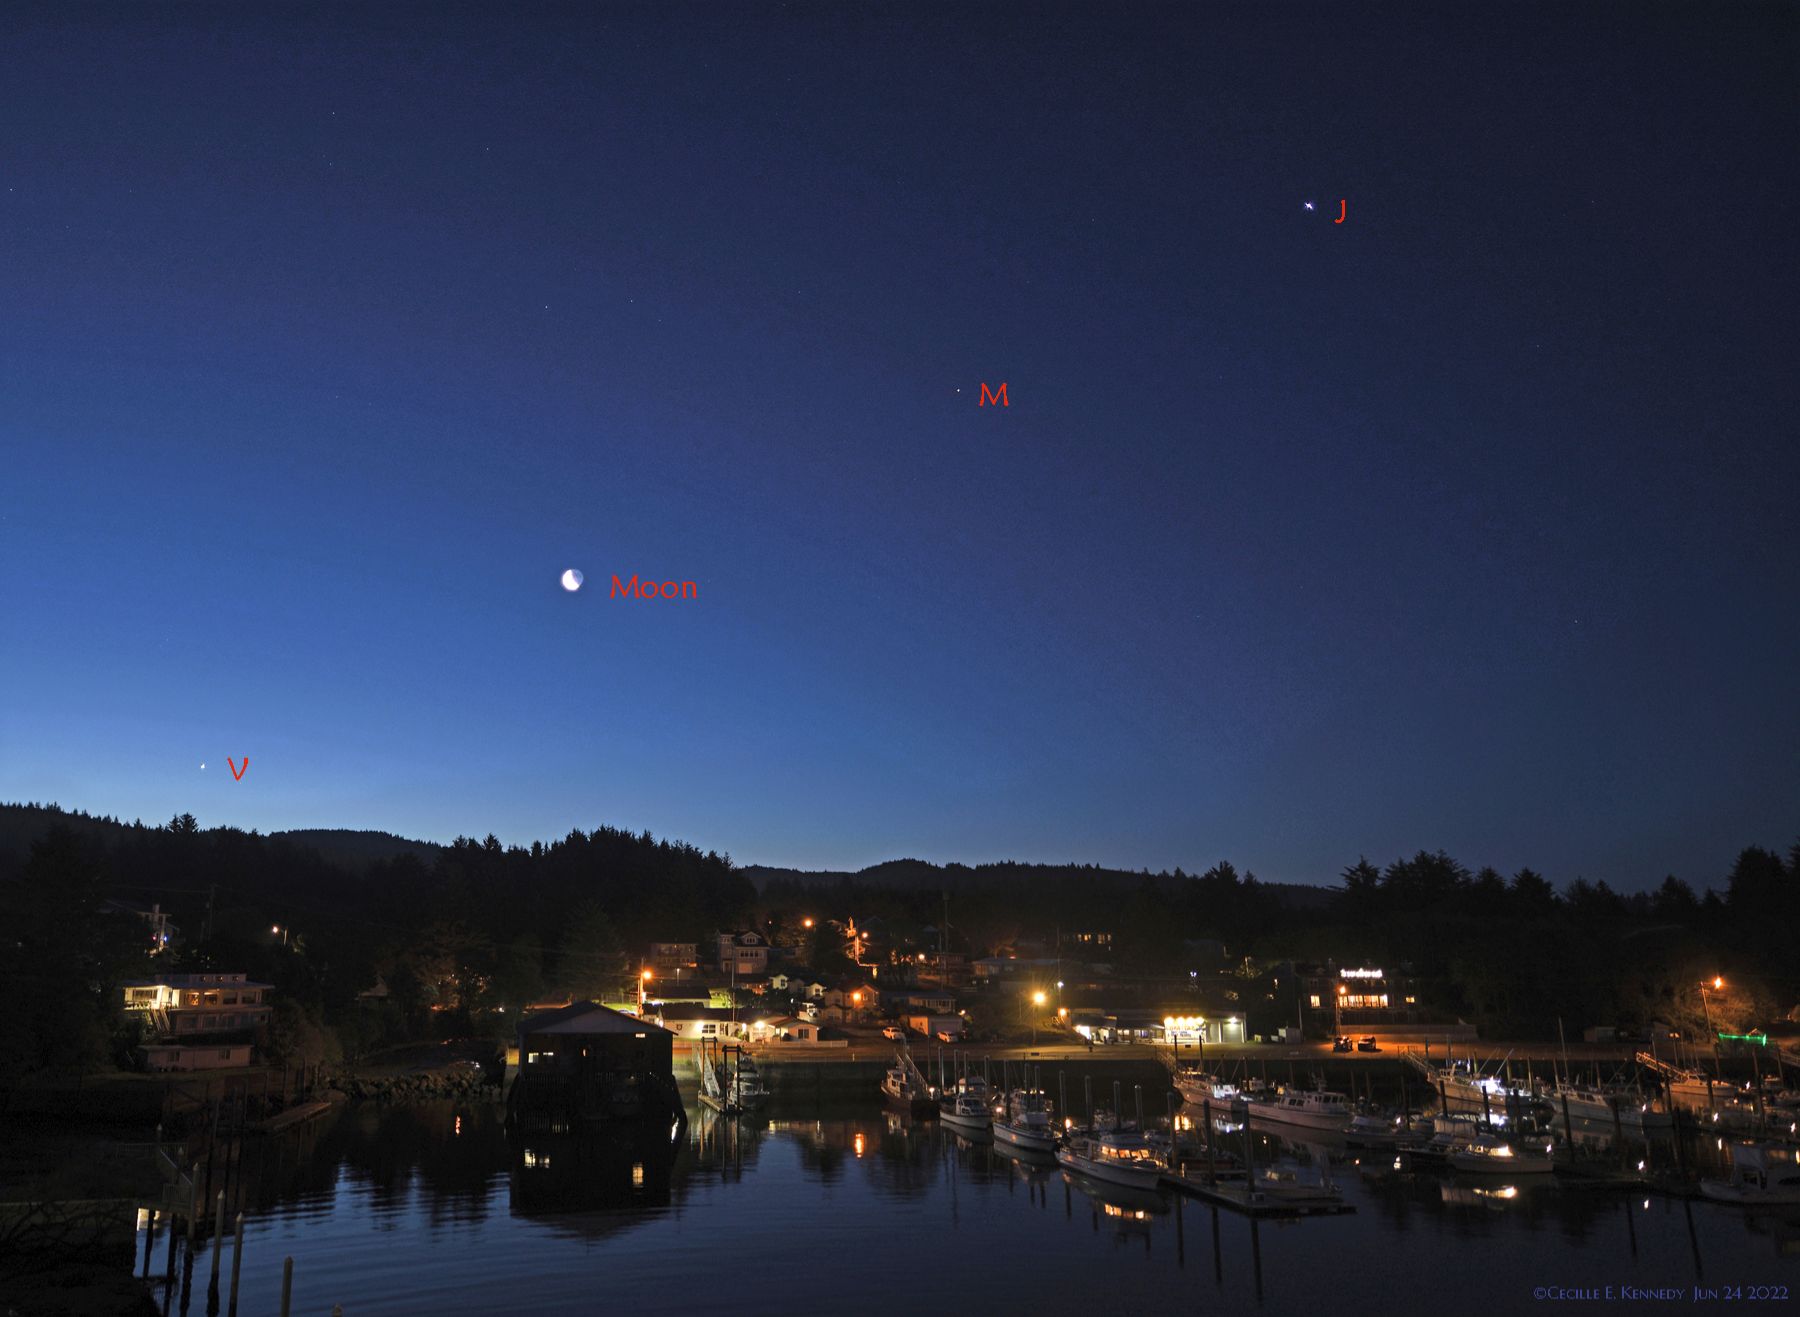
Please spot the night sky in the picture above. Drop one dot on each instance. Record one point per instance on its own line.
(329, 339)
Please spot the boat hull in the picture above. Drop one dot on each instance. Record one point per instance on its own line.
(1128, 1177)
(1042, 1140)
(1263, 1113)
(1719, 1191)
(1468, 1163)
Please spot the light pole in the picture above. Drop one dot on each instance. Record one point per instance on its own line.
(1037, 999)
(1711, 1033)
(644, 977)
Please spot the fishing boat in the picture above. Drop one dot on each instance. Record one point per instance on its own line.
(1432, 1142)
(1584, 1102)
(1762, 1174)
(1487, 1151)
(1122, 1157)
(1318, 1109)
(904, 1086)
(730, 1082)
(1026, 1122)
(968, 1107)
(1197, 1087)
(1371, 1129)
(747, 1083)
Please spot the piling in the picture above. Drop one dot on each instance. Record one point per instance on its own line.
(1568, 1125)
(149, 1240)
(287, 1286)
(237, 1258)
(1212, 1159)
(1118, 1110)
(218, 1239)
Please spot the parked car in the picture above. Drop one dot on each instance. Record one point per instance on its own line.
(1367, 1043)
(945, 1036)
(1340, 1044)
(893, 1033)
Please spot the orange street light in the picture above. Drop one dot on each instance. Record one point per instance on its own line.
(1038, 998)
(807, 922)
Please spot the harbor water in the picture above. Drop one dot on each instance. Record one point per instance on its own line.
(839, 1206)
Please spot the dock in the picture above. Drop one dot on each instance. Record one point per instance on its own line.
(1252, 1201)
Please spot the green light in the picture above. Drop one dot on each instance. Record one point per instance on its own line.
(1760, 1039)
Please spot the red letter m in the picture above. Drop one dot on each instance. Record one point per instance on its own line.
(987, 397)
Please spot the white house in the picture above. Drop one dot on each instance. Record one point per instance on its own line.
(199, 1021)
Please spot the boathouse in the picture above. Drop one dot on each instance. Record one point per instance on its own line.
(585, 1062)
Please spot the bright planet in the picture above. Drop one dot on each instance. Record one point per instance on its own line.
(571, 580)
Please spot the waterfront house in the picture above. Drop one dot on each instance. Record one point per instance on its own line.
(585, 1063)
(204, 1021)
(930, 1025)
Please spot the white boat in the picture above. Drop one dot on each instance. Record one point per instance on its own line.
(1026, 1122)
(1435, 1139)
(969, 1107)
(1586, 1103)
(747, 1084)
(1372, 1130)
(1489, 1152)
(1487, 1095)
(1122, 1157)
(1318, 1109)
(1762, 1174)
(1198, 1088)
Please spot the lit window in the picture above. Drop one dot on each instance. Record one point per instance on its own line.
(1315, 1001)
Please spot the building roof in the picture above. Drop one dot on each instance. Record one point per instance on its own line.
(187, 982)
(586, 1017)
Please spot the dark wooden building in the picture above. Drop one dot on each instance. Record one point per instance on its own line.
(585, 1063)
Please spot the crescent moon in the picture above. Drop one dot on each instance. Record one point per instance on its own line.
(571, 580)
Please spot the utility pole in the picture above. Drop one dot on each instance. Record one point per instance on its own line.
(211, 891)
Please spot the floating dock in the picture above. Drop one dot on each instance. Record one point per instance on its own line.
(1254, 1201)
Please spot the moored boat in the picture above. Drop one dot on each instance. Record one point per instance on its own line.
(1762, 1174)
(1026, 1122)
(1487, 1151)
(1318, 1109)
(1121, 1157)
(967, 1107)
(904, 1086)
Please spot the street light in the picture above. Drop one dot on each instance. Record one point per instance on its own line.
(644, 978)
(1718, 984)
(807, 922)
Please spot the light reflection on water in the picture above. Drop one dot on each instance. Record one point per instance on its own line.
(432, 1209)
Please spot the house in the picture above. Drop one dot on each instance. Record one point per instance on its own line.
(691, 1023)
(786, 1029)
(744, 953)
(199, 1021)
(932, 1025)
(586, 1062)
(667, 957)
(781, 981)
(939, 1003)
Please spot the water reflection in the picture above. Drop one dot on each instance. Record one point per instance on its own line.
(441, 1185)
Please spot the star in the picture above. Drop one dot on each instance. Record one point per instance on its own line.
(1309, 205)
